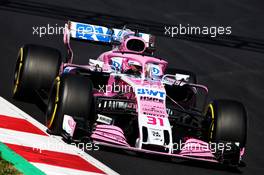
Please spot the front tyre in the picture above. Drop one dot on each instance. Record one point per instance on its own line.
(70, 95)
(229, 126)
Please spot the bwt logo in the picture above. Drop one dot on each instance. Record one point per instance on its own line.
(154, 93)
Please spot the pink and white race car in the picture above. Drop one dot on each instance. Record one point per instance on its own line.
(129, 99)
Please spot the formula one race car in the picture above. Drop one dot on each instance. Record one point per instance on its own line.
(128, 99)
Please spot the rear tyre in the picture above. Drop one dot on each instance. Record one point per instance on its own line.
(36, 68)
(228, 125)
(71, 95)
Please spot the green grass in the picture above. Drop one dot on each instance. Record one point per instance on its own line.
(7, 168)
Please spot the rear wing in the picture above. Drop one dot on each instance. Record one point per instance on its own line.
(100, 34)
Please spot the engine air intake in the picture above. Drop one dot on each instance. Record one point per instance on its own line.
(135, 45)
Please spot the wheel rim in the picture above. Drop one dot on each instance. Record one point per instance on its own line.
(53, 104)
(18, 68)
(211, 114)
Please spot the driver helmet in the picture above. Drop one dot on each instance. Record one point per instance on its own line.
(134, 67)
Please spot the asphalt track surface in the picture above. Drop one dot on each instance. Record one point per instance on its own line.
(233, 73)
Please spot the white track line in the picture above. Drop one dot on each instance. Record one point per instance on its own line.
(53, 170)
(40, 142)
